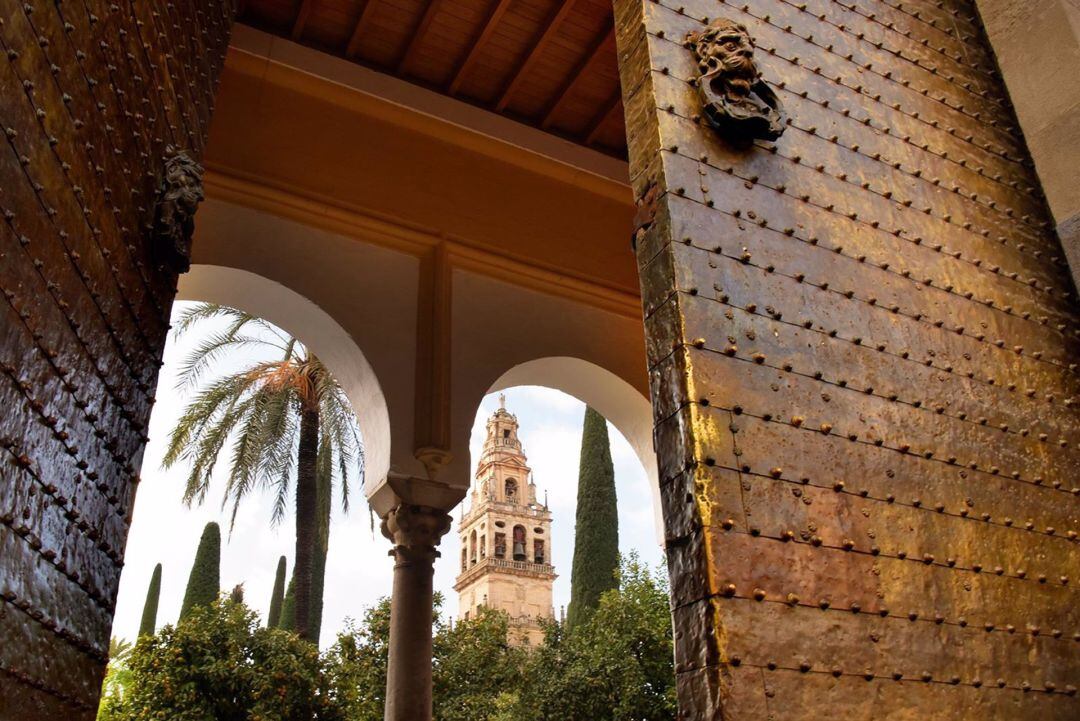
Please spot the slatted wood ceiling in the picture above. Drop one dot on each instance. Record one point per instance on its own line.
(545, 63)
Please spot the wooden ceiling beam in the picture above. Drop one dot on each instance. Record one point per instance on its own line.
(600, 120)
(533, 53)
(302, 15)
(498, 8)
(596, 50)
(417, 36)
(361, 27)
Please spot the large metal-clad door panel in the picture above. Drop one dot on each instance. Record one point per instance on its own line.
(862, 346)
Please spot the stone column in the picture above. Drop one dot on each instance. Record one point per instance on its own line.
(415, 532)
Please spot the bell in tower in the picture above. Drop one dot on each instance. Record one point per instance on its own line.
(519, 544)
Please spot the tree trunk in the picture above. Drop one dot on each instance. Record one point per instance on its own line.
(322, 547)
(307, 519)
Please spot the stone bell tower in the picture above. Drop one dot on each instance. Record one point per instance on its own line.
(506, 537)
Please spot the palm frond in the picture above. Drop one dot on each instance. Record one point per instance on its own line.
(255, 411)
(198, 312)
(209, 350)
(207, 407)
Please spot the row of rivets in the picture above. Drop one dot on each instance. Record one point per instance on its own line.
(99, 170)
(39, 616)
(806, 666)
(51, 557)
(731, 350)
(39, 685)
(729, 591)
(917, 15)
(826, 428)
(890, 196)
(968, 227)
(899, 53)
(70, 448)
(840, 486)
(745, 258)
(1008, 215)
(131, 358)
(934, 124)
(959, 57)
(134, 416)
(109, 158)
(72, 514)
(977, 336)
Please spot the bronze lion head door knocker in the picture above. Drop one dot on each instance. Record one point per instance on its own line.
(736, 101)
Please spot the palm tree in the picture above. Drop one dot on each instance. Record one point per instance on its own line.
(117, 679)
(286, 417)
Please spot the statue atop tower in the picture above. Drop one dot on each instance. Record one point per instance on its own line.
(505, 536)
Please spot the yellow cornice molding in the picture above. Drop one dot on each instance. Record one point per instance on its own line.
(308, 208)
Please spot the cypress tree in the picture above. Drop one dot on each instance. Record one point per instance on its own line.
(273, 618)
(148, 624)
(596, 527)
(288, 609)
(205, 579)
(323, 499)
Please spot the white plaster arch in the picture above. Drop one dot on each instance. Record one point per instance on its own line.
(307, 322)
(615, 399)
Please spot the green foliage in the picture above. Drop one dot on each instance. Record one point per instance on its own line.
(277, 596)
(473, 666)
(288, 609)
(117, 679)
(150, 606)
(278, 412)
(218, 664)
(596, 529)
(205, 579)
(356, 664)
(476, 672)
(617, 665)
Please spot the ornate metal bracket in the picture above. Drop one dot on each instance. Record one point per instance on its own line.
(735, 99)
(179, 196)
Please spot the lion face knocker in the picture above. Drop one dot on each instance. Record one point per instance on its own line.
(174, 217)
(737, 102)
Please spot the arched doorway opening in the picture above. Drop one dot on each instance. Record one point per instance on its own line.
(164, 531)
(547, 398)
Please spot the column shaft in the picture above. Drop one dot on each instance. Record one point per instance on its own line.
(415, 531)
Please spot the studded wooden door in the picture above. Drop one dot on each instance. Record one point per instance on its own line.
(94, 94)
(862, 346)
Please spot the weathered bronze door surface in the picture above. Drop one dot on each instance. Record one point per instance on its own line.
(863, 352)
(100, 101)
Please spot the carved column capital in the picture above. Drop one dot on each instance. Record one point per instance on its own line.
(415, 532)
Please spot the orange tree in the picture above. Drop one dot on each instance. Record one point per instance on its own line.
(219, 663)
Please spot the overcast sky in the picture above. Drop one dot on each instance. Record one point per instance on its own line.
(358, 568)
